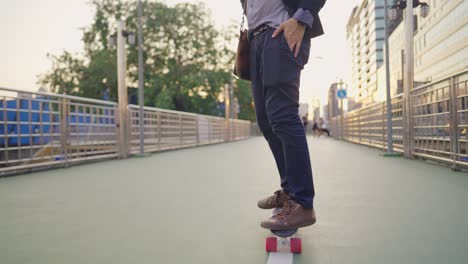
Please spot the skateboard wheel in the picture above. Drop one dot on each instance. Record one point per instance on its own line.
(271, 244)
(296, 245)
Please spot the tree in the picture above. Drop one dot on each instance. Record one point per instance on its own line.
(243, 93)
(187, 61)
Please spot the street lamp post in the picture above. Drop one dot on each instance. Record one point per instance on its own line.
(408, 62)
(387, 83)
(122, 91)
(141, 80)
(409, 80)
(119, 40)
(341, 94)
(341, 120)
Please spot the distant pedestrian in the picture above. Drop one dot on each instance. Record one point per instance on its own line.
(305, 122)
(315, 128)
(323, 127)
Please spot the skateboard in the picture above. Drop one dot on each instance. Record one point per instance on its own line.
(284, 240)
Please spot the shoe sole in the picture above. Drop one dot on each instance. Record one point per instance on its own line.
(269, 208)
(306, 224)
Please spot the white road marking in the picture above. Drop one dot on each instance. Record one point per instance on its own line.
(280, 258)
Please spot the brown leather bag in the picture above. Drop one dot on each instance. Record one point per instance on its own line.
(242, 66)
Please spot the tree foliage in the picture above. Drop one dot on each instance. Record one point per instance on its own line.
(187, 61)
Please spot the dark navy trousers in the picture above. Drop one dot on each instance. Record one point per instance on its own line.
(275, 74)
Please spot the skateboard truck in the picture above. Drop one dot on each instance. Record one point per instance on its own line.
(284, 240)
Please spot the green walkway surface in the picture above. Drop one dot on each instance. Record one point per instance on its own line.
(199, 206)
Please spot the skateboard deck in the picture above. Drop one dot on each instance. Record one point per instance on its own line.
(284, 240)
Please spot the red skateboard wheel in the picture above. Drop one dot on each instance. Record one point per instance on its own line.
(296, 245)
(271, 244)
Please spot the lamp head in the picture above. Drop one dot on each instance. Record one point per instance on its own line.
(425, 9)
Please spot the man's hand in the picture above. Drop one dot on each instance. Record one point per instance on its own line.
(293, 32)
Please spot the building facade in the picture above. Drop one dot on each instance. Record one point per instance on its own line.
(304, 110)
(365, 34)
(440, 44)
(314, 109)
(396, 42)
(324, 111)
(441, 40)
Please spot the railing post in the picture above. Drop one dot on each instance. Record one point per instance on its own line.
(226, 130)
(5, 128)
(454, 131)
(30, 128)
(338, 128)
(18, 125)
(407, 126)
(341, 120)
(197, 129)
(359, 128)
(229, 129)
(209, 130)
(158, 128)
(116, 127)
(180, 130)
(384, 125)
(64, 123)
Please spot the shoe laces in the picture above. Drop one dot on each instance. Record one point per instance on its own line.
(277, 196)
(285, 210)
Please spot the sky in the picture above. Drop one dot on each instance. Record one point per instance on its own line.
(31, 29)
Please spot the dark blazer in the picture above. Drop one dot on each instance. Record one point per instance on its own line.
(314, 6)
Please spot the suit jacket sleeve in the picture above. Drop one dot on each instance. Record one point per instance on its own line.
(312, 5)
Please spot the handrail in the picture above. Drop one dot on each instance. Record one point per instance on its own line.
(439, 123)
(50, 130)
(71, 97)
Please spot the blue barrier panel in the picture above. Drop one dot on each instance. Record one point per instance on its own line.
(10, 118)
(23, 130)
(29, 134)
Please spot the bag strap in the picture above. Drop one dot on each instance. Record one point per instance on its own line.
(244, 13)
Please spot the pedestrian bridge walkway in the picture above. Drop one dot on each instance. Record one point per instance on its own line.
(198, 205)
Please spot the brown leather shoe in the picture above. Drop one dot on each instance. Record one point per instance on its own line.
(275, 201)
(291, 216)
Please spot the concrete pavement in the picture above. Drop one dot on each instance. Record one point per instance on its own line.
(199, 206)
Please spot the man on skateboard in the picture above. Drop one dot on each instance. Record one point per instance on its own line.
(280, 33)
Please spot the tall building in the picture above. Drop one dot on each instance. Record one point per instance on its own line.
(314, 109)
(325, 114)
(303, 110)
(365, 33)
(396, 42)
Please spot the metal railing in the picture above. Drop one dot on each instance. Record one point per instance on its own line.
(166, 129)
(440, 122)
(43, 130)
